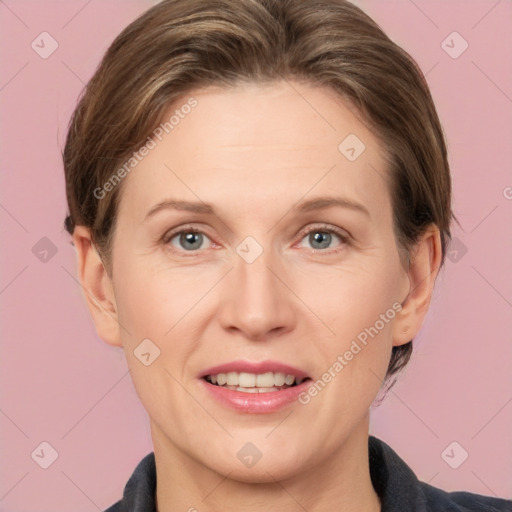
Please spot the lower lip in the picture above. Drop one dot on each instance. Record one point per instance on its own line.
(255, 403)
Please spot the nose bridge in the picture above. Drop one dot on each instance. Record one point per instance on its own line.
(256, 301)
(255, 278)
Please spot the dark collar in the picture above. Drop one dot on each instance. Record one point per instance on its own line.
(395, 483)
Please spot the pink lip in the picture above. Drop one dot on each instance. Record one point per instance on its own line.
(254, 403)
(249, 367)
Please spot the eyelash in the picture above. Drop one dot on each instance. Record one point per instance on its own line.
(319, 228)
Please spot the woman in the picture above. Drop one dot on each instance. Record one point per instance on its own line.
(260, 201)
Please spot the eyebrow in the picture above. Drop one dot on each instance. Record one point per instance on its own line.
(302, 207)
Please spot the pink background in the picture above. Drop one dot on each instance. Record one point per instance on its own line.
(61, 384)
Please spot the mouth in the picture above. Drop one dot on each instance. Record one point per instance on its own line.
(256, 388)
(268, 382)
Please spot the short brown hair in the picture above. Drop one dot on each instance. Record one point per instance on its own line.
(180, 45)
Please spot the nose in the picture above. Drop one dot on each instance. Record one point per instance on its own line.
(255, 301)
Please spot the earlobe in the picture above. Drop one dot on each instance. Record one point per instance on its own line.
(97, 287)
(425, 261)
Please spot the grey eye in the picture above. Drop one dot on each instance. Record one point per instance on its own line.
(188, 240)
(320, 239)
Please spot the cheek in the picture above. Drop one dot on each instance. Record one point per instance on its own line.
(157, 307)
(356, 308)
(154, 304)
(349, 299)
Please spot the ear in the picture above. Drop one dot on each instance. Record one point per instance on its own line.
(423, 269)
(97, 287)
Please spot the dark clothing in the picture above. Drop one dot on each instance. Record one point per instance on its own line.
(395, 483)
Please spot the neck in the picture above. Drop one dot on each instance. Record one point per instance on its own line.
(340, 483)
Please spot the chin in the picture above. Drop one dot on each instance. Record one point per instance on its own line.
(262, 472)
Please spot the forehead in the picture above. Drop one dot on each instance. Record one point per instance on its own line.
(278, 142)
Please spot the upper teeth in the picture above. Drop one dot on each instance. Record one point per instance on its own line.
(251, 380)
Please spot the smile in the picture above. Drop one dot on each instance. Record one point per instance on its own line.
(256, 388)
(254, 382)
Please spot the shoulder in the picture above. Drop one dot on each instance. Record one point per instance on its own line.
(399, 489)
(139, 491)
(438, 500)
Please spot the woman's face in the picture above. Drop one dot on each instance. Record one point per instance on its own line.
(293, 264)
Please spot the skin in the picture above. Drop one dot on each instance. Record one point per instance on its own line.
(254, 152)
